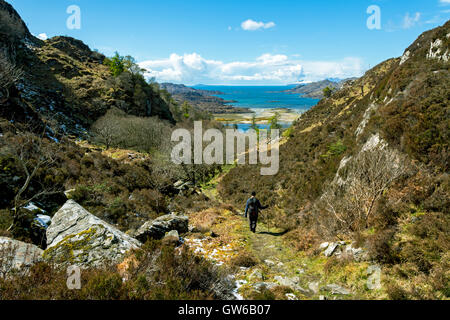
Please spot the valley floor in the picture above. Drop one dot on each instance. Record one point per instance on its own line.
(265, 265)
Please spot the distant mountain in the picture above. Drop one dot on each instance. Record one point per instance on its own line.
(173, 88)
(203, 99)
(315, 89)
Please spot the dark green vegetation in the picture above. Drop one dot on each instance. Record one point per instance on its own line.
(369, 164)
(392, 199)
(156, 272)
(63, 92)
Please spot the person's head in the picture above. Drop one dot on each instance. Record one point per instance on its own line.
(253, 194)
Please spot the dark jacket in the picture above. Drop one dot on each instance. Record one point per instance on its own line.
(258, 206)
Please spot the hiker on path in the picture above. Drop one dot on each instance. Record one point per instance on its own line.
(252, 210)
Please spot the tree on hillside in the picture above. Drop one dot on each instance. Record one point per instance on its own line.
(119, 64)
(186, 109)
(107, 131)
(327, 92)
(116, 64)
(131, 66)
(348, 204)
(9, 75)
(33, 154)
(254, 126)
(274, 121)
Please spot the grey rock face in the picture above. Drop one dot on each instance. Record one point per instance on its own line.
(76, 237)
(324, 245)
(374, 279)
(256, 274)
(358, 254)
(336, 289)
(330, 249)
(314, 287)
(172, 237)
(337, 249)
(261, 285)
(157, 228)
(269, 262)
(291, 283)
(17, 255)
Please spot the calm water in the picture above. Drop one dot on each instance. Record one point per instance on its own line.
(260, 98)
(263, 97)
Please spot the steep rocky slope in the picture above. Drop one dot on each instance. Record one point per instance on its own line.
(66, 81)
(315, 89)
(371, 164)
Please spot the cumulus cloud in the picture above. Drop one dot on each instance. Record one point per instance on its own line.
(445, 1)
(251, 25)
(42, 36)
(265, 69)
(409, 22)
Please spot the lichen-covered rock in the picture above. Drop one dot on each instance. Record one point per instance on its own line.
(172, 237)
(330, 249)
(80, 238)
(336, 289)
(17, 256)
(157, 228)
(357, 254)
(264, 285)
(314, 287)
(291, 283)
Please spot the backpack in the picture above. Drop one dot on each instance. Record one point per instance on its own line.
(253, 207)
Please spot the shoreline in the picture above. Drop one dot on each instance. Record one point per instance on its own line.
(262, 116)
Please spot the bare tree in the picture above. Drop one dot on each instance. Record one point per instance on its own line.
(32, 153)
(9, 75)
(348, 206)
(107, 130)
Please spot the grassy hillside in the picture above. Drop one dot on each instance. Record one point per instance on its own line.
(370, 164)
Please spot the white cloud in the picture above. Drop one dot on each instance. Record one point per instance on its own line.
(42, 36)
(444, 1)
(251, 25)
(265, 69)
(409, 22)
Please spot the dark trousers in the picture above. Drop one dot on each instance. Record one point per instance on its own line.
(253, 222)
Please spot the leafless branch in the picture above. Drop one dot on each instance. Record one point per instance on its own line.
(9, 75)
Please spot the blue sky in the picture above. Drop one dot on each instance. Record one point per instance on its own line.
(241, 42)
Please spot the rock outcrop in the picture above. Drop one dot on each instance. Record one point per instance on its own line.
(78, 237)
(64, 77)
(172, 238)
(341, 250)
(158, 228)
(17, 256)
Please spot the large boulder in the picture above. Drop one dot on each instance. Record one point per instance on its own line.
(17, 256)
(158, 228)
(172, 238)
(336, 289)
(76, 237)
(291, 283)
(342, 251)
